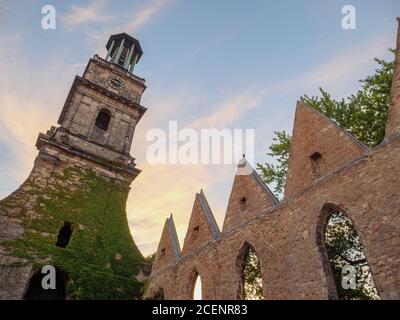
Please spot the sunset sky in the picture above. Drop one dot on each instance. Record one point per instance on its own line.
(207, 64)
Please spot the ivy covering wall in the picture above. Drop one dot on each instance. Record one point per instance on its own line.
(101, 258)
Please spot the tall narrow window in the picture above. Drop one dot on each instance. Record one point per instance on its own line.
(347, 264)
(103, 119)
(250, 278)
(64, 235)
(242, 203)
(316, 159)
(197, 294)
(196, 231)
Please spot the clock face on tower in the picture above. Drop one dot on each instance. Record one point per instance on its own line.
(115, 83)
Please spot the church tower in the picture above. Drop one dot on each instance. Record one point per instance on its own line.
(102, 109)
(70, 212)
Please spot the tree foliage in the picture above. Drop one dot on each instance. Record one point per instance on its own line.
(344, 248)
(252, 281)
(101, 259)
(276, 174)
(363, 114)
(150, 258)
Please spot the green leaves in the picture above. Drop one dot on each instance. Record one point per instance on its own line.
(101, 259)
(277, 173)
(344, 248)
(252, 281)
(363, 114)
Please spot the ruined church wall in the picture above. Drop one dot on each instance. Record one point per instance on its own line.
(285, 237)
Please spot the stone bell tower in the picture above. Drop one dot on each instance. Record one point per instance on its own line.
(70, 212)
(102, 109)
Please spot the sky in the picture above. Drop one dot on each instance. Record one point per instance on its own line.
(207, 64)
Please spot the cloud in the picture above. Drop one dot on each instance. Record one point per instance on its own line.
(231, 109)
(144, 15)
(9, 45)
(78, 66)
(161, 190)
(14, 39)
(79, 15)
(164, 189)
(21, 122)
(339, 71)
(335, 74)
(4, 7)
(158, 190)
(25, 109)
(141, 17)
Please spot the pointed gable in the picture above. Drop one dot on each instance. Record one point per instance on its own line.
(249, 197)
(318, 147)
(168, 251)
(202, 225)
(393, 122)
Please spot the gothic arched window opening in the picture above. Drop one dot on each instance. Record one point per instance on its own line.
(197, 291)
(250, 278)
(344, 258)
(103, 119)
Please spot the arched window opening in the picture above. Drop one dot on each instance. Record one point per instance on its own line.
(250, 278)
(197, 293)
(64, 235)
(35, 290)
(159, 295)
(103, 119)
(352, 278)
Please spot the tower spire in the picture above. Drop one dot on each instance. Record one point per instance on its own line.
(123, 50)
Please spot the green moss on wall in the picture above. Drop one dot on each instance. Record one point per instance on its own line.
(101, 259)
